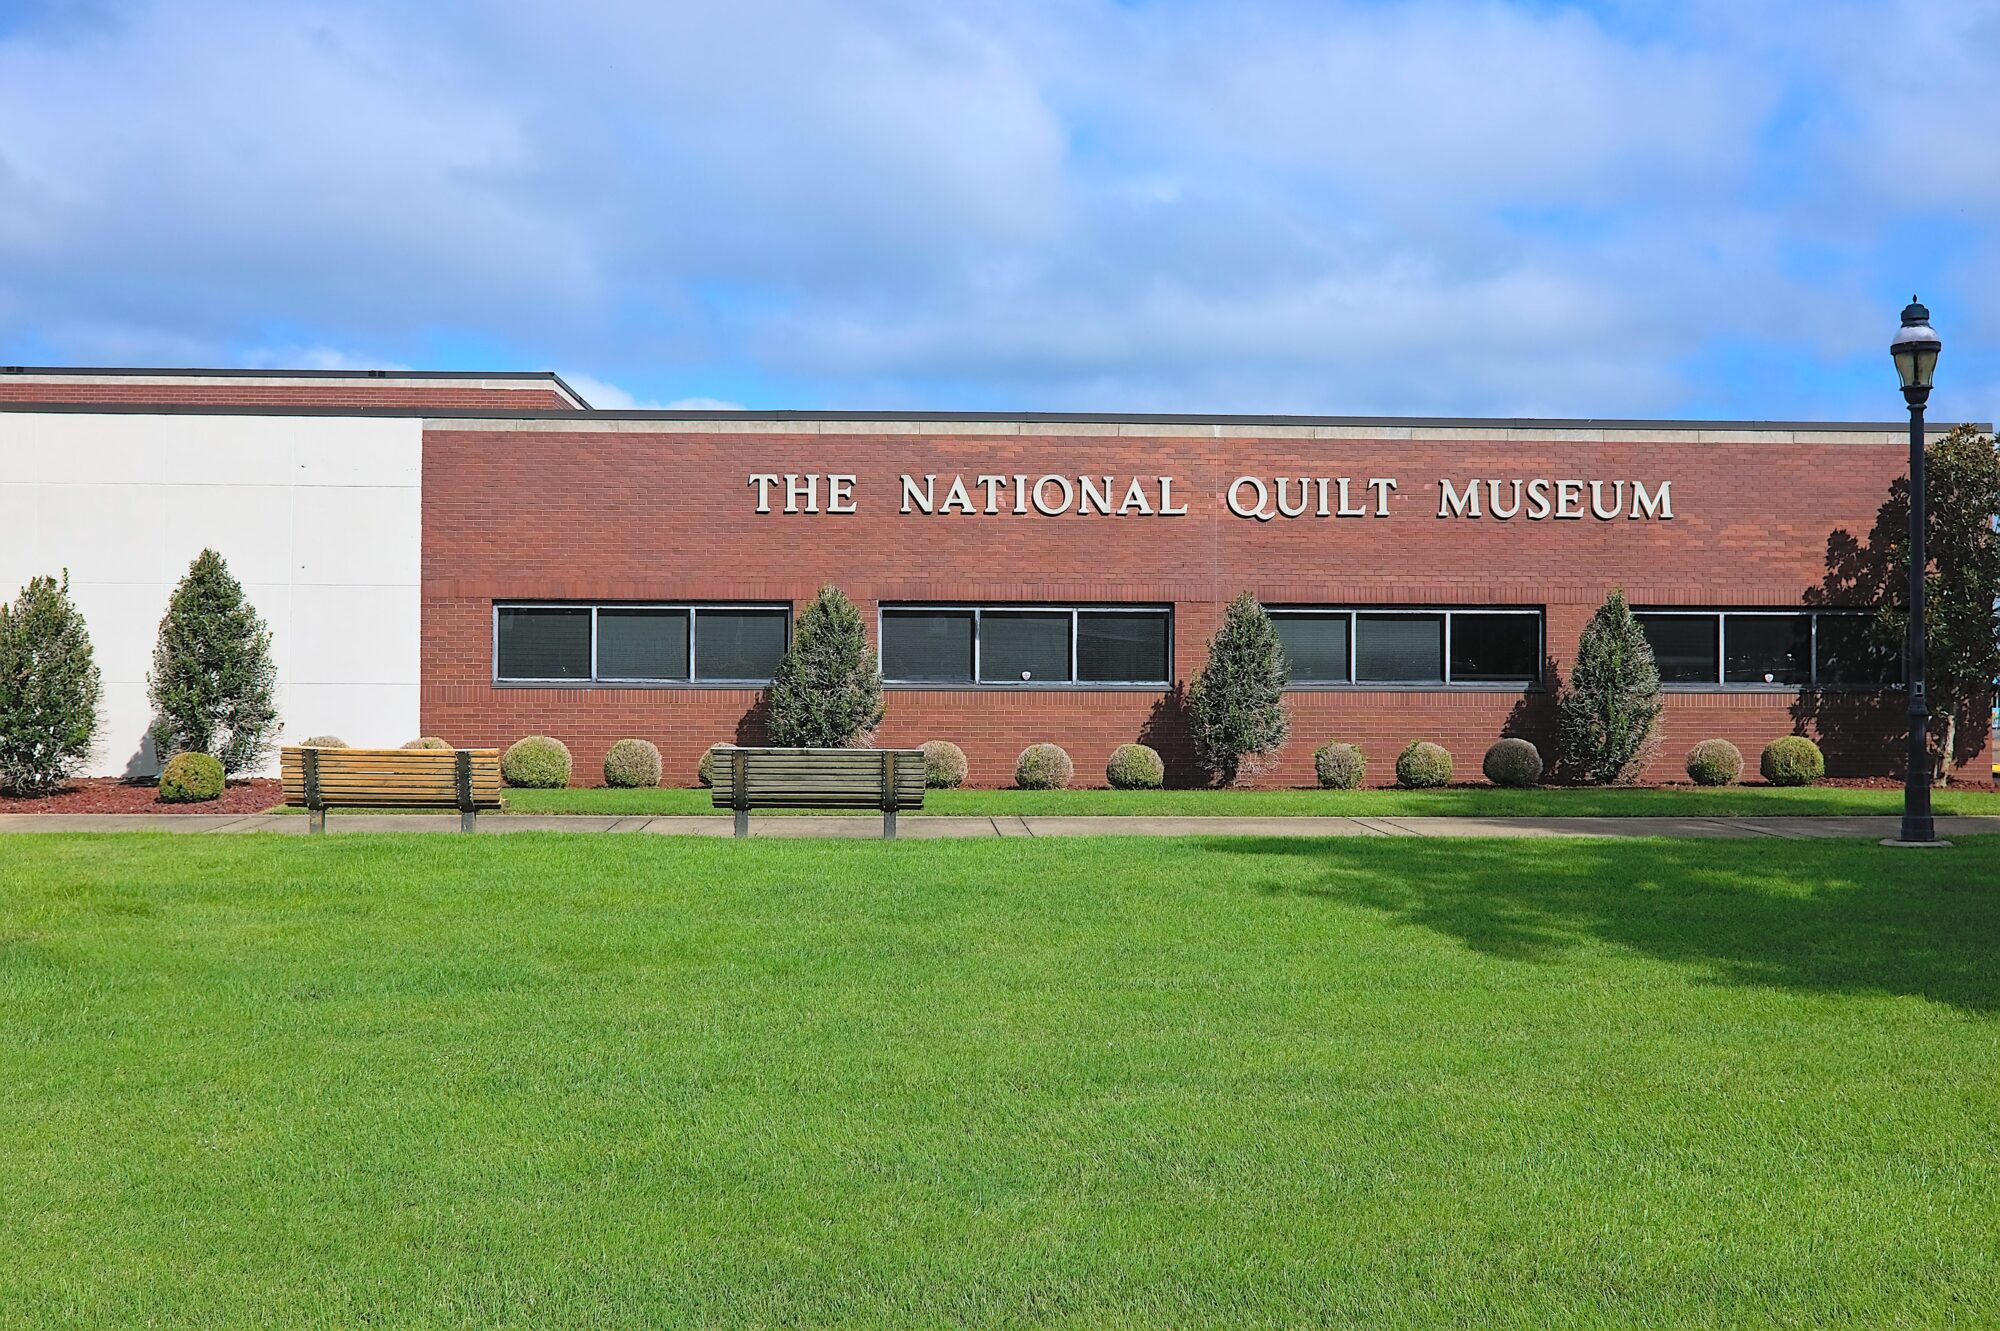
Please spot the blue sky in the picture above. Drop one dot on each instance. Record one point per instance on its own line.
(1678, 209)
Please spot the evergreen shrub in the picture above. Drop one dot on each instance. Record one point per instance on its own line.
(1236, 704)
(49, 689)
(1423, 765)
(1043, 767)
(1513, 762)
(1792, 761)
(213, 680)
(536, 763)
(191, 778)
(1714, 762)
(632, 763)
(944, 765)
(827, 693)
(1135, 767)
(1339, 766)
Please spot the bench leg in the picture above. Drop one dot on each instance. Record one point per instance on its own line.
(743, 822)
(468, 820)
(316, 821)
(888, 824)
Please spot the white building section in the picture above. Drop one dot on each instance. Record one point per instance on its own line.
(320, 518)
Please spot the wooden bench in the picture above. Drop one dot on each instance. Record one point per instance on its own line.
(320, 779)
(890, 780)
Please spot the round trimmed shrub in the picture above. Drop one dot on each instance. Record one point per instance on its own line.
(536, 763)
(944, 764)
(1792, 761)
(1511, 762)
(1043, 767)
(428, 742)
(704, 771)
(1339, 766)
(632, 762)
(323, 742)
(1135, 767)
(1423, 765)
(191, 778)
(1714, 762)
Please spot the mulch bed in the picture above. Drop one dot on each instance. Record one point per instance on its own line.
(110, 795)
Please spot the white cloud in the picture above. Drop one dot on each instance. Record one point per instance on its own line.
(1439, 205)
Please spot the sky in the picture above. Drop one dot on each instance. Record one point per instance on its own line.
(1690, 209)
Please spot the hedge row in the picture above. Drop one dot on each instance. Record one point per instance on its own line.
(542, 762)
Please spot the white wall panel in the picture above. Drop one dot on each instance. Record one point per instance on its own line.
(319, 517)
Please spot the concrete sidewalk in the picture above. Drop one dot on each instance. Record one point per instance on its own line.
(929, 827)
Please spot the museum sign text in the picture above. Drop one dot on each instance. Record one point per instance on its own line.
(1255, 498)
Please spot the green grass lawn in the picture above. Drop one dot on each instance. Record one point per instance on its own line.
(550, 1081)
(1466, 801)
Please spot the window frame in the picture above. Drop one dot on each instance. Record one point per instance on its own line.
(1075, 609)
(1353, 614)
(1722, 616)
(693, 611)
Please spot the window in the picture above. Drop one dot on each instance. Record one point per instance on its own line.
(1760, 648)
(1018, 647)
(1495, 648)
(544, 642)
(1767, 649)
(1026, 646)
(1399, 649)
(1440, 648)
(638, 644)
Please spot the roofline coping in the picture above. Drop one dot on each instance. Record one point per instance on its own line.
(32, 372)
(581, 419)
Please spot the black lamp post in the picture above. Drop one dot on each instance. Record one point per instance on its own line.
(1916, 351)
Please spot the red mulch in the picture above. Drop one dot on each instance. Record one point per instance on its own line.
(109, 795)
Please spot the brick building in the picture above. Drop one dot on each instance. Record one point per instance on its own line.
(483, 556)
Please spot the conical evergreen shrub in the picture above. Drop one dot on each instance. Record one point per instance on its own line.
(49, 689)
(1608, 716)
(827, 693)
(1236, 704)
(213, 680)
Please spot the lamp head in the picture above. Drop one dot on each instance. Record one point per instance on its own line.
(1916, 347)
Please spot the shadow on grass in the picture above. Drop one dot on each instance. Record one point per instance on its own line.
(1832, 918)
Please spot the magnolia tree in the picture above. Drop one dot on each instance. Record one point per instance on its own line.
(49, 689)
(213, 680)
(827, 693)
(1236, 704)
(1961, 632)
(1607, 718)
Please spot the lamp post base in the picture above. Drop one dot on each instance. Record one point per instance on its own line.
(1914, 845)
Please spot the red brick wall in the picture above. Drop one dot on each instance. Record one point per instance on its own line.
(663, 516)
(249, 393)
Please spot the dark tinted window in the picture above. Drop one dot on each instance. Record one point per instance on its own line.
(1487, 648)
(1023, 647)
(1399, 649)
(1316, 647)
(1684, 647)
(927, 645)
(738, 644)
(642, 644)
(544, 643)
(1767, 649)
(1852, 650)
(1121, 648)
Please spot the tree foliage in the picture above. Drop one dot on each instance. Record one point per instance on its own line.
(1961, 631)
(213, 681)
(1607, 717)
(49, 689)
(1236, 704)
(827, 693)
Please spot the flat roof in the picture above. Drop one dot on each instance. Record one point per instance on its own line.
(277, 376)
(1184, 422)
